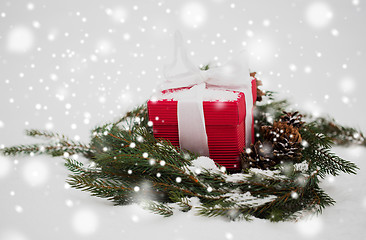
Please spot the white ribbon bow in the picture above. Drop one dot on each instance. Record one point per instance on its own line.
(234, 75)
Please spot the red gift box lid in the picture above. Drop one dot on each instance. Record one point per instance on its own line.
(164, 112)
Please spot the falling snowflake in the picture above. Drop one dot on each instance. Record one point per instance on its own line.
(35, 172)
(20, 39)
(5, 166)
(318, 14)
(85, 221)
(310, 227)
(193, 14)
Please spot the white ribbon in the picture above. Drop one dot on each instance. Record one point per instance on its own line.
(233, 75)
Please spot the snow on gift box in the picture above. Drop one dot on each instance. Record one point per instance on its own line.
(223, 118)
(206, 112)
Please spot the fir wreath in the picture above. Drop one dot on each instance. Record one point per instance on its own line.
(279, 181)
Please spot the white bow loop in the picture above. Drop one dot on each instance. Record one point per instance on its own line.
(233, 75)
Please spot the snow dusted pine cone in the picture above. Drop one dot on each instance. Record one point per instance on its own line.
(282, 143)
(286, 141)
(292, 119)
(259, 155)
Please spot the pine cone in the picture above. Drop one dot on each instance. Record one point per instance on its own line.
(282, 143)
(286, 141)
(259, 155)
(281, 130)
(292, 119)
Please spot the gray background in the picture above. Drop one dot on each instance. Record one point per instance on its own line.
(70, 65)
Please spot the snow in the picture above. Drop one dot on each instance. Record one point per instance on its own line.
(11, 234)
(96, 218)
(293, 67)
(267, 173)
(36, 24)
(18, 209)
(20, 39)
(204, 163)
(355, 2)
(301, 166)
(266, 22)
(347, 85)
(35, 172)
(335, 32)
(30, 6)
(248, 199)
(126, 36)
(118, 14)
(307, 69)
(104, 47)
(310, 227)
(5, 166)
(193, 14)
(85, 221)
(261, 48)
(207, 94)
(318, 14)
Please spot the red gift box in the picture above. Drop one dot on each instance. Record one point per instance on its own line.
(224, 121)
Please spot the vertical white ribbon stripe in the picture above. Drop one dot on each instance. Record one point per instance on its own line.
(191, 125)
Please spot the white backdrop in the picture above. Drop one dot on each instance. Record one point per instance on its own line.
(69, 65)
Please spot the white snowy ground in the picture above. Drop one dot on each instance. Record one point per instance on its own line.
(31, 209)
(67, 66)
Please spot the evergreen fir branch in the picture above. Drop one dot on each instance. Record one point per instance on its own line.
(31, 149)
(57, 146)
(139, 112)
(74, 166)
(272, 109)
(117, 193)
(286, 207)
(158, 208)
(232, 213)
(340, 135)
(205, 67)
(321, 199)
(47, 135)
(54, 149)
(329, 163)
(183, 204)
(314, 137)
(126, 155)
(270, 95)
